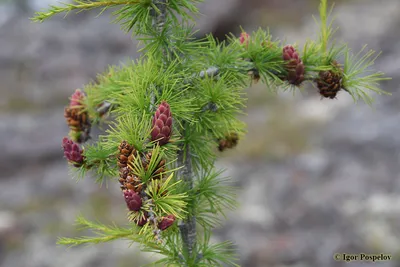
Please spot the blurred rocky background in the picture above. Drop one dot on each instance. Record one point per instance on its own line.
(316, 177)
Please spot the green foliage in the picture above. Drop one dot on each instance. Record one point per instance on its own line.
(219, 254)
(165, 199)
(212, 197)
(266, 56)
(103, 233)
(104, 160)
(203, 82)
(80, 6)
(358, 75)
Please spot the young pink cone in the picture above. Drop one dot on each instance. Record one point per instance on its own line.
(244, 38)
(294, 65)
(76, 98)
(133, 200)
(162, 124)
(166, 222)
(73, 152)
(78, 119)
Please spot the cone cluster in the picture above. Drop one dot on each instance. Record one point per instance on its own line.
(294, 66)
(127, 155)
(77, 118)
(132, 185)
(329, 82)
(229, 141)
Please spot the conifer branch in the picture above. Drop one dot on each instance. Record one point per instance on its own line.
(81, 6)
(324, 26)
(187, 226)
(198, 87)
(161, 13)
(102, 233)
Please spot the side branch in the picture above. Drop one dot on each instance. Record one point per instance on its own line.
(160, 14)
(79, 5)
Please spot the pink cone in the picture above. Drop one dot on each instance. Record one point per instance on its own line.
(166, 222)
(72, 151)
(133, 200)
(162, 124)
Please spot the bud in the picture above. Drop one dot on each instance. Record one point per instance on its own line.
(294, 65)
(244, 38)
(229, 141)
(166, 222)
(76, 98)
(72, 152)
(77, 118)
(142, 221)
(133, 200)
(268, 44)
(162, 124)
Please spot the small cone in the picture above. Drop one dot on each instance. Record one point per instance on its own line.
(132, 182)
(125, 150)
(133, 200)
(294, 65)
(229, 141)
(244, 38)
(123, 174)
(76, 98)
(166, 222)
(128, 181)
(162, 124)
(77, 119)
(268, 44)
(329, 82)
(142, 221)
(73, 152)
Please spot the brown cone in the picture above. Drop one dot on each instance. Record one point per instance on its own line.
(229, 141)
(78, 121)
(125, 150)
(329, 82)
(132, 182)
(128, 181)
(77, 118)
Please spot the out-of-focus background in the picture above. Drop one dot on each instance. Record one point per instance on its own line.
(316, 177)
